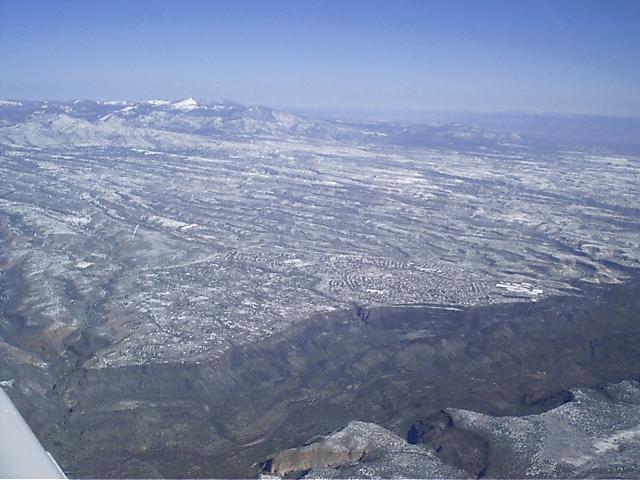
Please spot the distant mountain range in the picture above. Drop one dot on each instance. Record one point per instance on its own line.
(191, 123)
(147, 123)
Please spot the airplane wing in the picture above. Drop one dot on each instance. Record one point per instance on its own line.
(21, 454)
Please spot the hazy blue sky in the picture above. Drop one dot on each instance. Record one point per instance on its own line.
(567, 56)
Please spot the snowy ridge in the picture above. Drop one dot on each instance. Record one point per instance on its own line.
(150, 123)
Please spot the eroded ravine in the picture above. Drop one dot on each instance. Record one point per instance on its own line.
(398, 366)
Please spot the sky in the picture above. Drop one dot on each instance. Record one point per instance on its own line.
(483, 55)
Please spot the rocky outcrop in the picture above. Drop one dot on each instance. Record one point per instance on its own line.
(360, 450)
(341, 448)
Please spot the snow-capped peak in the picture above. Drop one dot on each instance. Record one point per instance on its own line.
(186, 104)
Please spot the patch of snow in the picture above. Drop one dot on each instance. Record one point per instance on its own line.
(156, 102)
(523, 287)
(612, 442)
(170, 223)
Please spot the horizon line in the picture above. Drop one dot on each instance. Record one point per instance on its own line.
(318, 109)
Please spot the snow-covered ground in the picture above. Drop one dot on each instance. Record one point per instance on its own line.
(254, 219)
